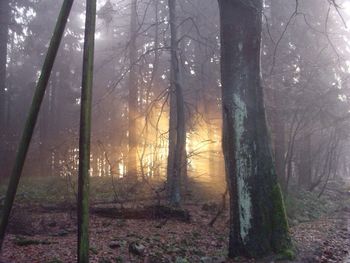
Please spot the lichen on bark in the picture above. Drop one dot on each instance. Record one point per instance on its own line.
(258, 224)
(243, 167)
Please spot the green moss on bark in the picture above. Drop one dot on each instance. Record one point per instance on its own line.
(287, 254)
(281, 241)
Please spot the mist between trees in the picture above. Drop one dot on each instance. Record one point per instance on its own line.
(251, 96)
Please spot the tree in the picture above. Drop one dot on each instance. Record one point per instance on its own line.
(277, 96)
(258, 223)
(4, 28)
(177, 131)
(133, 95)
(304, 85)
(33, 115)
(85, 133)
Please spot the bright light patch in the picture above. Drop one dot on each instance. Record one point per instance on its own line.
(346, 7)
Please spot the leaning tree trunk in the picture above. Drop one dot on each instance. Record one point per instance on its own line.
(258, 223)
(85, 133)
(4, 28)
(132, 97)
(44, 153)
(177, 132)
(33, 116)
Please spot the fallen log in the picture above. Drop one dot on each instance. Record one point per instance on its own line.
(148, 212)
(221, 210)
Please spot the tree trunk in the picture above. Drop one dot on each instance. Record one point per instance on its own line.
(277, 99)
(279, 139)
(177, 132)
(44, 153)
(305, 162)
(4, 29)
(85, 133)
(258, 223)
(33, 115)
(132, 98)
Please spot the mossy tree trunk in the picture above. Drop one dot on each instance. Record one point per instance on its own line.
(177, 131)
(132, 97)
(258, 223)
(85, 133)
(33, 115)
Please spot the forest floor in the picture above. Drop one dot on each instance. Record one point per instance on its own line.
(41, 231)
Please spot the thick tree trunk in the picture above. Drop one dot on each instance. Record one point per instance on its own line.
(258, 223)
(132, 98)
(33, 115)
(177, 132)
(4, 28)
(85, 133)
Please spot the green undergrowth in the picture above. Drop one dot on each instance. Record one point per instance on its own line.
(287, 254)
(53, 190)
(301, 205)
(36, 189)
(304, 206)
(56, 190)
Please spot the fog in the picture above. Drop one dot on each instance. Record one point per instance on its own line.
(136, 118)
(54, 148)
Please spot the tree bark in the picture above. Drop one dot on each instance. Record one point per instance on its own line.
(4, 34)
(258, 223)
(305, 163)
(277, 100)
(132, 98)
(279, 139)
(33, 115)
(177, 131)
(44, 152)
(85, 133)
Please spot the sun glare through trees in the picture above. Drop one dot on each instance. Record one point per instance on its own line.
(174, 131)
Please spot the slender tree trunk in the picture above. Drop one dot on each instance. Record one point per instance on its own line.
(4, 26)
(305, 171)
(277, 117)
(44, 153)
(133, 94)
(258, 223)
(172, 140)
(154, 82)
(33, 115)
(177, 132)
(54, 113)
(85, 133)
(203, 102)
(279, 139)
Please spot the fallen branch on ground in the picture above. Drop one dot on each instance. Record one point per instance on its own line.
(220, 211)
